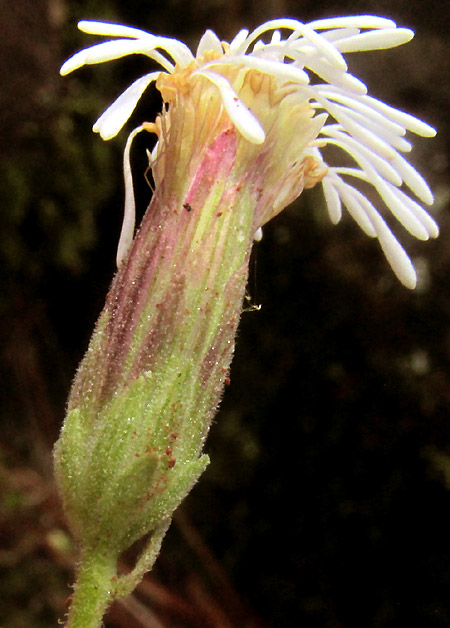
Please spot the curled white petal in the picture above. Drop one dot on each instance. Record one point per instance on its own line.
(113, 119)
(246, 123)
(326, 49)
(129, 215)
(177, 50)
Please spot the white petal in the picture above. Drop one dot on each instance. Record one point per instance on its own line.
(325, 48)
(144, 44)
(404, 215)
(351, 198)
(354, 102)
(353, 21)
(333, 201)
(382, 130)
(424, 217)
(411, 216)
(209, 41)
(276, 37)
(351, 172)
(340, 33)
(392, 249)
(334, 76)
(271, 52)
(356, 130)
(259, 46)
(177, 50)
(238, 41)
(361, 154)
(113, 119)
(390, 117)
(246, 123)
(395, 253)
(376, 40)
(413, 179)
(284, 71)
(287, 23)
(408, 121)
(107, 51)
(397, 207)
(105, 28)
(129, 216)
(352, 83)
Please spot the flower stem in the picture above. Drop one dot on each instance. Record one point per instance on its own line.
(94, 589)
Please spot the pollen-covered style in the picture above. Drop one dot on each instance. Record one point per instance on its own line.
(296, 82)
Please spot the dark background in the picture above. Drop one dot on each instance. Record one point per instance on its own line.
(326, 503)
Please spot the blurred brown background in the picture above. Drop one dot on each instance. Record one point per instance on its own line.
(326, 503)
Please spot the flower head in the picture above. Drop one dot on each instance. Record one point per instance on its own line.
(243, 131)
(288, 98)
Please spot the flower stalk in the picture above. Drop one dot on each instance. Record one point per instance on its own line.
(94, 589)
(240, 136)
